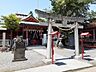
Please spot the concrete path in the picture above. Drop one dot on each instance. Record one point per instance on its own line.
(61, 64)
(91, 69)
(64, 66)
(6, 64)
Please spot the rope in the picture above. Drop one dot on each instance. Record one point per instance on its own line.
(66, 29)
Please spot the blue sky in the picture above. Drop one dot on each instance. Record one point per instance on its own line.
(93, 7)
(25, 6)
(22, 6)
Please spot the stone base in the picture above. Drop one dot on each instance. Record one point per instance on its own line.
(78, 57)
(22, 59)
(47, 61)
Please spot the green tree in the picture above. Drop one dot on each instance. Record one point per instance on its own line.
(91, 14)
(75, 8)
(11, 22)
(70, 7)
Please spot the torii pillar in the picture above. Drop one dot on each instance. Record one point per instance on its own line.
(49, 42)
(76, 41)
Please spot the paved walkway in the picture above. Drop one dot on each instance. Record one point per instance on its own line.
(6, 64)
(61, 66)
(62, 63)
(91, 69)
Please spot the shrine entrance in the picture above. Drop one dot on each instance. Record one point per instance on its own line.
(33, 33)
(35, 37)
(51, 22)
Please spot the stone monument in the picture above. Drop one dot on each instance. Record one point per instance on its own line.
(19, 50)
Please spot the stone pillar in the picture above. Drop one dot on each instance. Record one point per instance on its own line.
(94, 34)
(44, 40)
(49, 42)
(4, 39)
(76, 36)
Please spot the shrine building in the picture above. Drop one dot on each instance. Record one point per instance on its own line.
(33, 32)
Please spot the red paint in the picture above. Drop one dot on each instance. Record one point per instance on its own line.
(82, 48)
(82, 45)
(30, 19)
(53, 33)
(83, 53)
(26, 34)
(52, 50)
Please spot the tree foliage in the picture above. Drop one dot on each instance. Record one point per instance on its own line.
(11, 22)
(91, 14)
(70, 7)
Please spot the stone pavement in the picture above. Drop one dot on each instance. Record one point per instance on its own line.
(61, 66)
(91, 69)
(62, 63)
(6, 64)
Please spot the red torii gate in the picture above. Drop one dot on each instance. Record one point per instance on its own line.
(53, 33)
(82, 42)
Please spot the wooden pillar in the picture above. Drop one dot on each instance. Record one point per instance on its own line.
(26, 34)
(94, 34)
(26, 37)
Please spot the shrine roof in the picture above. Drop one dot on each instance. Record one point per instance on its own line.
(18, 14)
(27, 18)
(30, 19)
